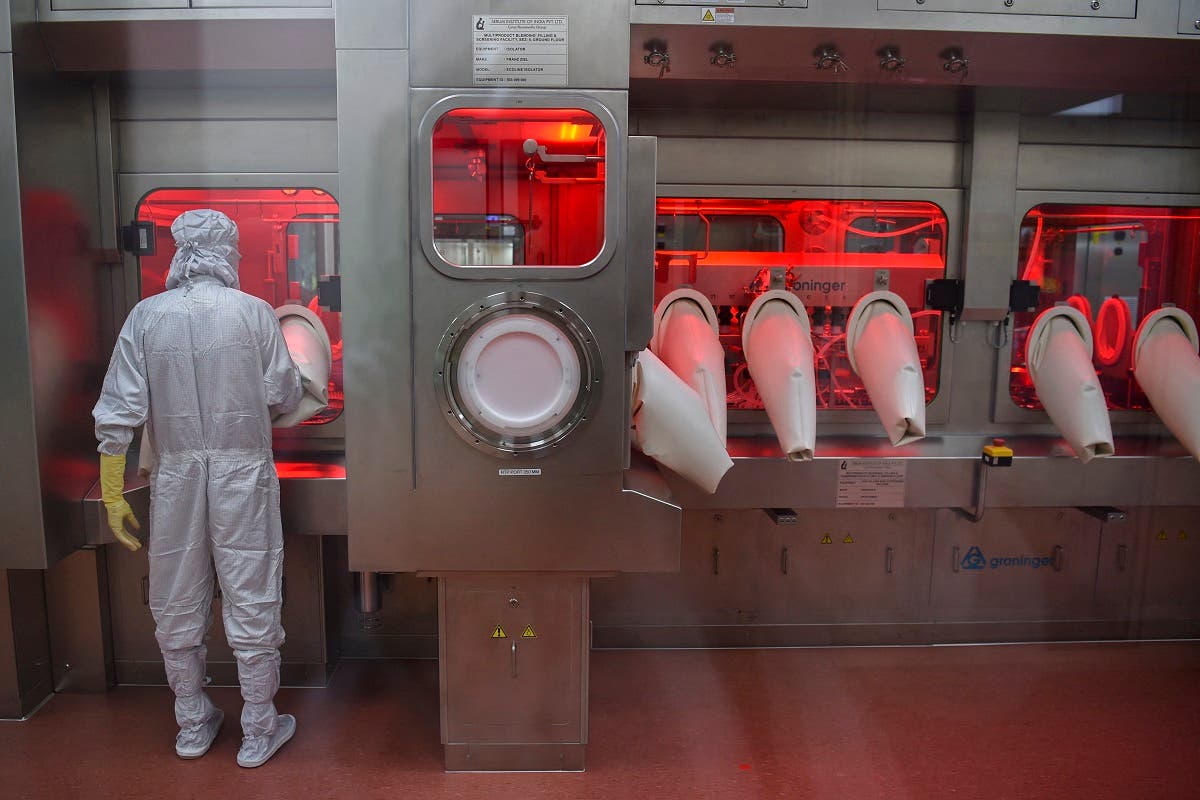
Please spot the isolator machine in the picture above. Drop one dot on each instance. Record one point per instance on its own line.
(628, 324)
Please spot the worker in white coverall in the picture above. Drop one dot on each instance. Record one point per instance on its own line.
(207, 367)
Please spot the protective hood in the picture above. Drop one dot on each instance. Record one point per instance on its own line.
(206, 243)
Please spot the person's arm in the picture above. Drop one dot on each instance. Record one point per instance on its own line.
(280, 375)
(124, 404)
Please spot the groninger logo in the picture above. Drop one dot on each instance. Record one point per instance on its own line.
(975, 560)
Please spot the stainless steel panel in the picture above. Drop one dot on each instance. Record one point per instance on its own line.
(598, 38)
(261, 3)
(788, 123)
(776, 162)
(739, 568)
(1172, 557)
(500, 685)
(1004, 51)
(639, 222)
(375, 264)
(990, 248)
(1014, 565)
(179, 40)
(1189, 17)
(26, 678)
(1154, 19)
(746, 3)
(140, 99)
(1101, 168)
(940, 473)
(1120, 568)
(1109, 131)
(52, 356)
(106, 179)
(78, 614)
(108, 5)
(23, 544)
(258, 146)
(1125, 9)
(371, 24)
(6, 45)
(580, 525)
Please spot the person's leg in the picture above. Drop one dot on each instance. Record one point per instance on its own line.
(247, 543)
(181, 591)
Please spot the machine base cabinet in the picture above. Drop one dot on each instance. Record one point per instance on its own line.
(514, 671)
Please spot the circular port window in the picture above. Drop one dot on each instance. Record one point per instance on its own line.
(516, 373)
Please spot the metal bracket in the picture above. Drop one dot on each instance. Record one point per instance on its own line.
(657, 56)
(830, 58)
(723, 55)
(329, 292)
(1104, 513)
(137, 238)
(783, 516)
(946, 294)
(1023, 296)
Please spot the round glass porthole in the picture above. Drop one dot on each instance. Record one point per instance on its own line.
(516, 373)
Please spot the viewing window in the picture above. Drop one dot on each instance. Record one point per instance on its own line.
(829, 253)
(288, 239)
(1117, 265)
(518, 187)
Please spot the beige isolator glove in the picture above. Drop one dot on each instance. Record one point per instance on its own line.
(112, 491)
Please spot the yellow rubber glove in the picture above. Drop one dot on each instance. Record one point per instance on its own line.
(112, 490)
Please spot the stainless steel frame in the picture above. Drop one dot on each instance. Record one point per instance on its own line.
(614, 169)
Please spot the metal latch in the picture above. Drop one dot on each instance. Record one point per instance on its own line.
(329, 292)
(137, 238)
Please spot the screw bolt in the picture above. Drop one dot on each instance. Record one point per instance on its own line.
(1095, 5)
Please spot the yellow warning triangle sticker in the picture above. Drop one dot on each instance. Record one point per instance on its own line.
(1183, 536)
(498, 633)
(708, 16)
(848, 540)
(1162, 536)
(528, 633)
(826, 539)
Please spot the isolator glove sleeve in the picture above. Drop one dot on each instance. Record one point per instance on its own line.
(125, 399)
(282, 379)
(112, 489)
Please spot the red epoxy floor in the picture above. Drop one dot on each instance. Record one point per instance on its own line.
(1055, 721)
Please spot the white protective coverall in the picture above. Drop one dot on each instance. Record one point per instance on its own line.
(207, 366)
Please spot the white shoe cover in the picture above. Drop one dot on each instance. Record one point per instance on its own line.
(257, 750)
(194, 742)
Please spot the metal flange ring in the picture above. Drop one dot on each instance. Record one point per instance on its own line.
(516, 373)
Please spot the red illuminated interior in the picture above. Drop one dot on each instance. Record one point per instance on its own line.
(1117, 265)
(829, 253)
(518, 187)
(288, 241)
